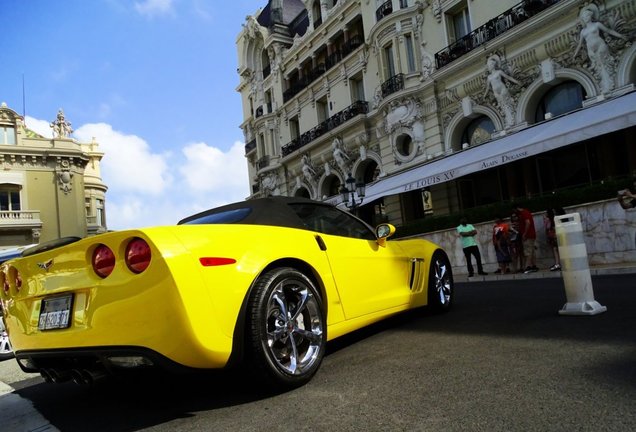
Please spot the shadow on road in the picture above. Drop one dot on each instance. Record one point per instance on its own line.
(510, 312)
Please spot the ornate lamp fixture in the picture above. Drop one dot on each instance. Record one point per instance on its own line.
(350, 191)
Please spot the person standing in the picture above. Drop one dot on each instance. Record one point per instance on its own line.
(467, 234)
(500, 240)
(627, 197)
(550, 234)
(528, 236)
(516, 244)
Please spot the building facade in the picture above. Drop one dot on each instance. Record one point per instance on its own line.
(437, 105)
(49, 187)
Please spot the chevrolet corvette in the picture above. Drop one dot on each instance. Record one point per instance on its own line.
(263, 283)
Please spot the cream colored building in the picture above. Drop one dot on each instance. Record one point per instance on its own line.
(49, 187)
(437, 105)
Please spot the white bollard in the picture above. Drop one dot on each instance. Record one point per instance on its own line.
(575, 268)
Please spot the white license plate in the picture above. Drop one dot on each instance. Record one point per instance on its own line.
(55, 312)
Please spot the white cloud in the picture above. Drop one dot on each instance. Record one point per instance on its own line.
(151, 8)
(208, 169)
(41, 127)
(148, 188)
(129, 164)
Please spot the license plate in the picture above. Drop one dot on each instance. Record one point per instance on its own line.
(55, 312)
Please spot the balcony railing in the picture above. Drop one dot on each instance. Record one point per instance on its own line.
(493, 28)
(359, 107)
(250, 146)
(259, 111)
(262, 162)
(20, 218)
(354, 42)
(393, 84)
(385, 9)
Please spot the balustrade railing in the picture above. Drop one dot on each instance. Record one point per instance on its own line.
(393, 84)
(359, 107)
(493, 28)
(250, 146)
(385, 9)
(13, 217)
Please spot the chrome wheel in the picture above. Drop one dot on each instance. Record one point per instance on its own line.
(440, 282)
(294, 326)
(6, 351)
(286, 328)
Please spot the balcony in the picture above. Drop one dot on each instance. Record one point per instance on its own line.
(20, 219)
(385, 9)
(392, 85)
(359, 107)
(493, 28)
(262, 163)
(250, 146)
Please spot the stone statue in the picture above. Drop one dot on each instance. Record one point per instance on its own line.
(308, 171)
(341, 158)
(495, 80)
(61, 127)
(597, 50)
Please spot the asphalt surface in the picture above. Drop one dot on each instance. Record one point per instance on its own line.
(502, 360)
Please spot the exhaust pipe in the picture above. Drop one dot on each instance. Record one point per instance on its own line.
(46, 375)
(87, 377)
(59, 376)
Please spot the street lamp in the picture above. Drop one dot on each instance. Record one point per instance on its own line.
(350, 191)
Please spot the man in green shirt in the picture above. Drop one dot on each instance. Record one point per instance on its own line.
(467, 234)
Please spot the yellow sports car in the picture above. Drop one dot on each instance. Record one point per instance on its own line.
(264, 283)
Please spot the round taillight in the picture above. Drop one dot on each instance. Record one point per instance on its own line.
(138, 255)
(103, 261)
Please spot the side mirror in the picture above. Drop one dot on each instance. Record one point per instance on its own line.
(383, 232)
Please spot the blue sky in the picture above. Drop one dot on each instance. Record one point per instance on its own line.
(152, 80)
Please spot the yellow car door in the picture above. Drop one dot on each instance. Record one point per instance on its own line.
(369, 277)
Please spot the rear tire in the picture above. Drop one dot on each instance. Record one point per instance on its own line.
(286, 331)
(441, 288)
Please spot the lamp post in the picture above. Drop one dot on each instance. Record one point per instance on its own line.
(350, 191)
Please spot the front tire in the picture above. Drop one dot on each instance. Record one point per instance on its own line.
(286, 331)
(441, 289)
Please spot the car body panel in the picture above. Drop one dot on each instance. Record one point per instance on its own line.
(190, 313)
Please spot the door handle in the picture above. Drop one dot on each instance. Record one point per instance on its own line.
(321, 243)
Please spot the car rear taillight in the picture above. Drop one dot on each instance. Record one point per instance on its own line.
(138, 255)
(103, 261)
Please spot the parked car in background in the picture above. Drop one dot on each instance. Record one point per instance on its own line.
(263, 283)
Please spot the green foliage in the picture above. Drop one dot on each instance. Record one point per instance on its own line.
(563, 198)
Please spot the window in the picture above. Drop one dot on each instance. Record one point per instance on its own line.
(478, 131)
(458, 21)
(410, 56)
(7, 135)
(9, 198)
(560, 99)
(294, 128)
(99, 212)
(389, 65)
(331, 221)
(322, 110)
(357, 89)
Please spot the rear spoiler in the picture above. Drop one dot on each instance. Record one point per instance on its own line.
(52, 244)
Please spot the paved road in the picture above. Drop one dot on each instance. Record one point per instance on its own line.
(502, 360)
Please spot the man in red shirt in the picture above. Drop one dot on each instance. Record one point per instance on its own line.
(528, 235)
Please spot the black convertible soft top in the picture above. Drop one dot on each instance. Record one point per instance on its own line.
(274, 210)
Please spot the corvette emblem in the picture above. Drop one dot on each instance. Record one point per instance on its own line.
(46, 265)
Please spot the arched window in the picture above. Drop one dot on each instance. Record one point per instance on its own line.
(561, 99)
(332, 186)
(371, 172)
(302, 192)
(478, 131)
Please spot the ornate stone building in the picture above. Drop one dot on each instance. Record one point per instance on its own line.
(49, 188)
(437, 105)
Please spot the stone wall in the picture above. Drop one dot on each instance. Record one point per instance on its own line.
(610, 238)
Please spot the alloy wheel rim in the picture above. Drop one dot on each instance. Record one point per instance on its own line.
(294, 327)
(442, 282)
